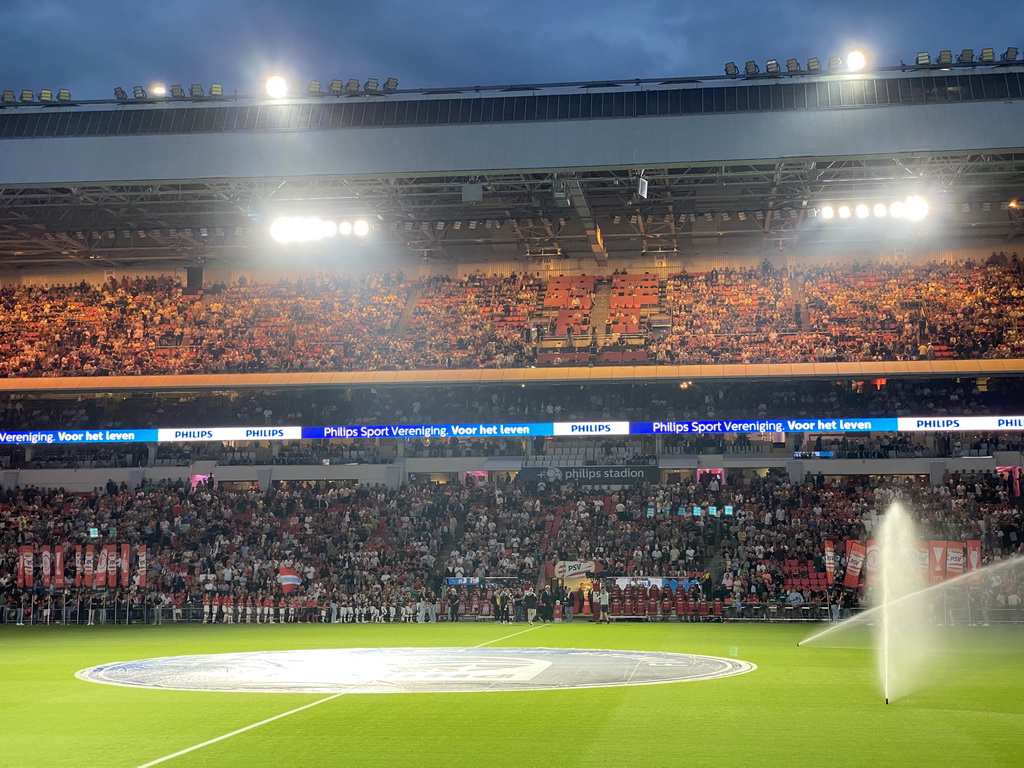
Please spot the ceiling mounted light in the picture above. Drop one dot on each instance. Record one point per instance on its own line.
(844, 211)
(360, 228)
(158, 90)
(276, 87)
(880, 210)
(862, 211)
(828, 212)
(916, 208)
(856, 60)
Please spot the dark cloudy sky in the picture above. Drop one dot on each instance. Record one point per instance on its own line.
(91, 46)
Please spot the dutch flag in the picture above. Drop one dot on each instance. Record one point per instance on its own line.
(288, 579)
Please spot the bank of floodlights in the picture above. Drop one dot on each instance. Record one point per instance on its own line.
(913, 208)
(308, 229)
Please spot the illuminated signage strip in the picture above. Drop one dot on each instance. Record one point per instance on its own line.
(540, 429)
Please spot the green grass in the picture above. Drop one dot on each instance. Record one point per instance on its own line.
(808, 706)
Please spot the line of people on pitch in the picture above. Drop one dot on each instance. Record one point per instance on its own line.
(511, 606)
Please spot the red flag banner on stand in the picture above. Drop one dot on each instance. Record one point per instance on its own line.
(47, 564)
(871, 561)
(143, 565)
(90, 564)
(58, 567)
(111, 564)
(830, 562)
(125, 559)
(974, 561)
(288, 579)
(954, 559)
(858, 553)
(78, 565)
(101, 567)
(936, 561)
(26, 565)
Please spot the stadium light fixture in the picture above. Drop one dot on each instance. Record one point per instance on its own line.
(139, 92)
(371, 85)
(751, 68)
(360, 228)
(288, 229)
(313, 88)
(988, 56)
(862, 211)
(916, 208)
(120, 94)
(64, 94)
(814, 64)
(945, 58)
(856, 60)
(731, 69)
(880, 211)
(828, 212)
(46, 95)
(27, 96)
(792, 65)
(345, 228)
(276, 87)
(966, 56)
(772, 67)
(1009, 55)
(391, 85)
(897, 209)
(834, 63)
(177, 92)
(844, 211)
(353, 86)
(217, 90)
(923, 59)
(158, 90)
(8, 97)
(336, 87)
(195, 91)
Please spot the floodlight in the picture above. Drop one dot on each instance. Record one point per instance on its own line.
(177, 92)
(27, 96)
(336, 87)
(159, 90)
(8, 97)
(923, 59)
(966, 56)
(731, 69)
(828, 212)
(813, 64)
(945, 58)
(46, 95)
(834, 62)
(897, 209)
(139, 92)
(119, 94)
(195, 91)
(353, 86)
(216, 89)
(1009, 55)
(772, 67)
(313, 89)
(285, 229)
(64, 94)
(988, 56)
(277, 87)
(391, 84)
(792, 65)
(856, 60)
(862, 211)
(345, 228)
(880, 210)
(916, 208)
(371, 85)
(844, 211)
(751, 68)
(360, 228)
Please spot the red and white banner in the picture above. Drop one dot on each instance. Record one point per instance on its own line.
(858, 553)
(143, 565)
(288, 579)
(830, 562)
(47, 565)
(571, 569)
(936, 561)
(974, 561)
(101, 567)
(111, 564)
(126, 554)
(90, 560)
(58, 567)
(954, 559)
(26, 565)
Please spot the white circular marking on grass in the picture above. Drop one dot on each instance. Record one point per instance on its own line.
(412, 670)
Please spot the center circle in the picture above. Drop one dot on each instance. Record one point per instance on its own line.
(412, 670)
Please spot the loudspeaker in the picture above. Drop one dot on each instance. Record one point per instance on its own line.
(193, 280)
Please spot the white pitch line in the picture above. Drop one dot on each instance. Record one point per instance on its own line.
(506, 637)
(240, 730)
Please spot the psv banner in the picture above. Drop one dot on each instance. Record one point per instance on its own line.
(125, 558)
(830, 562)
(101, 567)
(26, 565)
(90, 564)
(858, 553)
(954, 559)
(111, 550)
(58, 567)
(47, 563)
(936, 561)
(974, 561)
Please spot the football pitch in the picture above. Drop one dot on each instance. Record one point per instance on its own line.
(808, 706)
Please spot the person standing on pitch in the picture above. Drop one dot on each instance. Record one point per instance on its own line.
(530, 603)
(603, 599)
(453, 604)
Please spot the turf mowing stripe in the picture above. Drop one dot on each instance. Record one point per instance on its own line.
(506, 637)
(235, 733)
